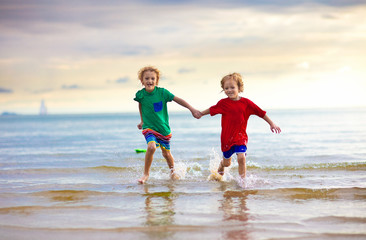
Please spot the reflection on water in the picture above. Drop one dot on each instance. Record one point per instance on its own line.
(235, 211)
(66, 196)
(160, 210)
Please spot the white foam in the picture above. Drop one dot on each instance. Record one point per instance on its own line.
(194, 170)
(215, 159)
(180, 168)
(251, 181)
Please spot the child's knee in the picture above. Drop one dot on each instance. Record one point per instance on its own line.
(241, 159)
(226, 162)
(151, 147)
(166, 153)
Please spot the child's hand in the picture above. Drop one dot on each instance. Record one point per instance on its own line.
(275, 128)
(139, 126)
(197, 114)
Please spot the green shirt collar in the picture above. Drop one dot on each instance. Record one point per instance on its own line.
(150, 93)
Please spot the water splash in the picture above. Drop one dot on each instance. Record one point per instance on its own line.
(215, 159)
(251, 181)
(180, 169)
(194, 170)
(242, 182)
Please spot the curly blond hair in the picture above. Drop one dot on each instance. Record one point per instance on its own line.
(149, 68)
(237, 78)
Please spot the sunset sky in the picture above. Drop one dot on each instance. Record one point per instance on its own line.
(83, 56)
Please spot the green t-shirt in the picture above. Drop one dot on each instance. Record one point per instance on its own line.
(154, 109)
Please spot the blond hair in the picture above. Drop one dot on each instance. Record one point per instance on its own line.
(236, 77)
(149, 68)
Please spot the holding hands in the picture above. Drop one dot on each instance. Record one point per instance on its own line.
(197, 114)
(274, 128)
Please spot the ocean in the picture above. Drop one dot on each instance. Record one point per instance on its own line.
(75, 177)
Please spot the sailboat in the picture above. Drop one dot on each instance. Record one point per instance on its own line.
(43, 108)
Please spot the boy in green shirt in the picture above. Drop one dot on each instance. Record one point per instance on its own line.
(154, 118)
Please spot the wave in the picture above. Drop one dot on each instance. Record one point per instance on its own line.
(353, 193)
(190, 167)
(105, 168)
(166, 232)
(308, 193)
(133, 229)
(196, 167)
(338, 219)
(70, 195)
(27, 210)
(349, 166)
(71, 170)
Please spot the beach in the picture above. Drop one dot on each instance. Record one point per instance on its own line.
(75, 177)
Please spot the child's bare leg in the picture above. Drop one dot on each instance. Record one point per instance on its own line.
(242, 165)
(224, 163)
(151, 148)
(170, 161)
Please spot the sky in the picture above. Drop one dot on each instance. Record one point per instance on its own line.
(83, 56)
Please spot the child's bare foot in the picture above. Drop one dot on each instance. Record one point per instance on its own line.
(220, 170)
(242, 182)
(215, 176)
(143, 179)
(174, 176)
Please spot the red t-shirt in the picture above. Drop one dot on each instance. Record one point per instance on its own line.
(234, 120)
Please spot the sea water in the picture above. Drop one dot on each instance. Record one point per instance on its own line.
(75, 177)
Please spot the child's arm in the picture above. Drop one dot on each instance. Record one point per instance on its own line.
(274, 127)
(139, 126)
(205, 112)
(195, 113)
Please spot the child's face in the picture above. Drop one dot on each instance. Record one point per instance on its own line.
(149, 80)
(231, 89)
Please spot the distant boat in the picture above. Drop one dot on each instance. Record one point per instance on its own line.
(8, 114)
(43, 108)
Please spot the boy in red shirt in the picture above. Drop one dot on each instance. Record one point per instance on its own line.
(235, 112)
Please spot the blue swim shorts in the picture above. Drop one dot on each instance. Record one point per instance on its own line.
(160, 140)
(235, 149)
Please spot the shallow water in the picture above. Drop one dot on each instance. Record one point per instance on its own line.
(74, 176)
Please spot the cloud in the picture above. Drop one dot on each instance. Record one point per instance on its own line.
(64, 29)
(41, 17)
(122, 80)
(70, 87)
(99, 46)
(5, 90)
(186, 70)
(40, 91)
(258, 3)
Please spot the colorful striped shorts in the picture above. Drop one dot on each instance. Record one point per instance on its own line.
(154, 136)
